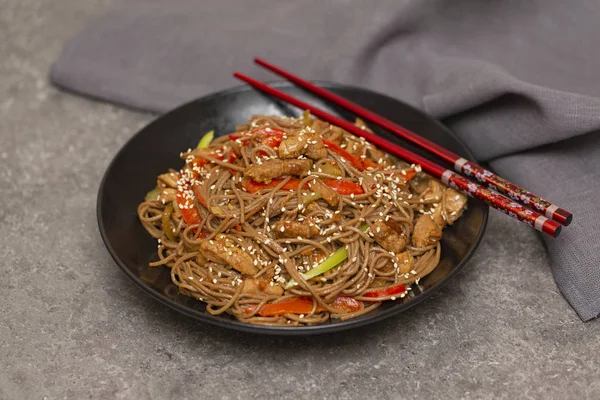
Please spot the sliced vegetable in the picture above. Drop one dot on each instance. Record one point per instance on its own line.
(232, 156)
(206, 139)
(252, 186)
(153, 194)
(166, 223)
(200, 162)
(186, 205)
(369, 164)
(190, 215)
(389, 291)
(310, 197)
(299, 305)
(330, 169)
(355, 161)
(217, 210)
(306, 118)
(304, 305)
(273, 136)
(344, 187)
(334, 259)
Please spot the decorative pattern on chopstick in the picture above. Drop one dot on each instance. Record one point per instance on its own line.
(501, 203)
(493, 199)
(513, 191)
(462, 165)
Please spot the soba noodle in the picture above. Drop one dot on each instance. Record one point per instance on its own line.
(212, 219)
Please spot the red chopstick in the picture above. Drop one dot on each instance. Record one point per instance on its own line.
(467, 167)
(447, 176)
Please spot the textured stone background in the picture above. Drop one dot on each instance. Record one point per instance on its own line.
(73, 326)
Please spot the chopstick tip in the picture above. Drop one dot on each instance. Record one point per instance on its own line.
(557, 231)
(567, 217)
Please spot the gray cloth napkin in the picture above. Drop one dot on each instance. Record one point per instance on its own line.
(517, 81)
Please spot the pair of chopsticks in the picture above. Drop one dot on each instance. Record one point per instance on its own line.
(513, 204)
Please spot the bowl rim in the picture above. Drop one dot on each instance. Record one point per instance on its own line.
(282, 330)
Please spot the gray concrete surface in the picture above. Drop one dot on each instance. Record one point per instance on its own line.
(73, 326)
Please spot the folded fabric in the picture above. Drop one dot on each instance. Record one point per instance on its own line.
(520, 90)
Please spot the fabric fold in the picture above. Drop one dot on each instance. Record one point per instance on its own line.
(522, 92)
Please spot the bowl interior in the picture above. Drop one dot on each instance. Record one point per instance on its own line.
(156, 148)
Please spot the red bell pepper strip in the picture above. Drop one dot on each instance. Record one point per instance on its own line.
(344, 187)
(299, 305)
(355, 161)
(191, 215)
(253, 186)
(303, 305)
(232, 157)
(273, 136)
(410, 173)
(389, 291)
(369, 164)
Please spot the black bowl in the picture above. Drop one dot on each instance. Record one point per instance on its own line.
(156, 148)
